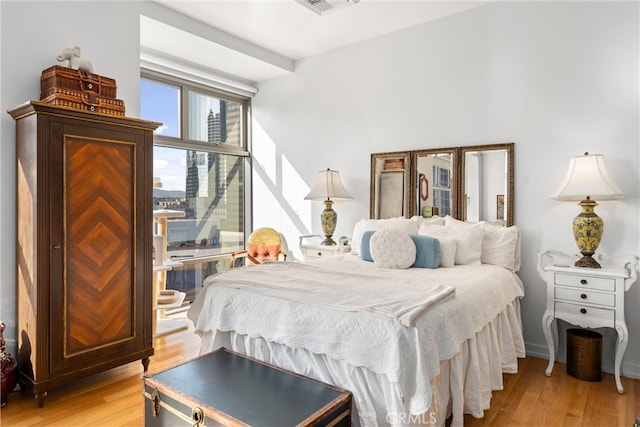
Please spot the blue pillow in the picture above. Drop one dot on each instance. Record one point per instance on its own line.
(365, 246)
(427, 251)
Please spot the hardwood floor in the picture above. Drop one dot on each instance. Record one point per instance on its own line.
(112, 398)
(529, 398)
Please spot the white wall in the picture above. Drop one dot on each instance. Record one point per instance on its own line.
(32, 35)
(558, 79)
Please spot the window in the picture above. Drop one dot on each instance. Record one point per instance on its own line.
(441, 177)
(442, 200)
(441, 190)
(199, 166)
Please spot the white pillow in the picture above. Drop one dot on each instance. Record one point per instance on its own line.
(518, 261)
(406, 224)
(449, 220)
(392, 248)
(448, 248)
(499, 246)
(436, 220)
(469, 237)
(448, 242)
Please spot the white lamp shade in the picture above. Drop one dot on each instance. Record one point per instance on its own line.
(587, 176)
(328, 186)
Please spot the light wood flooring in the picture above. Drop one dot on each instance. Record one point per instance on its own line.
(114, 398)
(530, 398)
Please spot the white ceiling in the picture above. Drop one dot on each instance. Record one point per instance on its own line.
(281, 31)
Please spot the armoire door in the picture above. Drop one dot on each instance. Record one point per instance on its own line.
(95, 234)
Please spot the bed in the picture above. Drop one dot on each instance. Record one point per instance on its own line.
(415, 345)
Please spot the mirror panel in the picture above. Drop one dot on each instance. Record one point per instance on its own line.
(390, 185)
(486, 191)
(471, 183)
(434, 182)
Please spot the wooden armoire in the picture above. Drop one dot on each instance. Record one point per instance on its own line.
(84, 243)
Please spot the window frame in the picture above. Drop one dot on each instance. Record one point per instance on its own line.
(439, 178)
(441, 186)
(183, 142)
(438, 199)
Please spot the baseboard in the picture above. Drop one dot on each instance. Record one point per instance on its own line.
(631, 370)
(628, 369)
(535, 350)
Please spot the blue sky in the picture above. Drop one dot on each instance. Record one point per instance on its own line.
(161, 103)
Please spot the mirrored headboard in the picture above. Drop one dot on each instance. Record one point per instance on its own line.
(473, 183)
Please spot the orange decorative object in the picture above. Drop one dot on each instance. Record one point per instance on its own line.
(265, 244)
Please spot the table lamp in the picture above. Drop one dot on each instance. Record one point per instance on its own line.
(587, 178)
(328, 186)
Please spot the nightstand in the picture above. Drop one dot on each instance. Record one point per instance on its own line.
(587, 297)
(312, 249)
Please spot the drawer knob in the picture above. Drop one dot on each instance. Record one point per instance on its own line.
(583, 296)
(319, 253)
(583, 310)
(583, 281)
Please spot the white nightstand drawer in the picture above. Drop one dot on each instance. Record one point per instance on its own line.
(590, 282)
(317, 253)
(584, 296)
(588, 312)
(322, 251)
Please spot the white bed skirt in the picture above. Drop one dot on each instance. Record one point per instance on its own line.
(463, 386)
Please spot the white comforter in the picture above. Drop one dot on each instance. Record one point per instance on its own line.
(315, 285)
(407, 356)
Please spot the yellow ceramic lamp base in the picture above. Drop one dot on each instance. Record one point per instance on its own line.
(587, 230)
(329, 219)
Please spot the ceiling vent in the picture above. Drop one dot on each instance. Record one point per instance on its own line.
(322, 7)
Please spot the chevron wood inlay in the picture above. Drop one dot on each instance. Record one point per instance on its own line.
(100, 219)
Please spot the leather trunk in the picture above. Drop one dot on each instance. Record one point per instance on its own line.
(231, 389)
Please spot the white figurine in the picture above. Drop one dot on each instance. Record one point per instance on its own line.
(76, 62)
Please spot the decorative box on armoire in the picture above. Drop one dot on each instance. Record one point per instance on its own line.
(84, 243)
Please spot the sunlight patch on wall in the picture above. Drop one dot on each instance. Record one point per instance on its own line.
(278, 192)
(264, 152)
(294, 189)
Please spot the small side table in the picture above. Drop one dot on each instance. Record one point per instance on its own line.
(587, 297)
(314, 250)
(161, 324)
